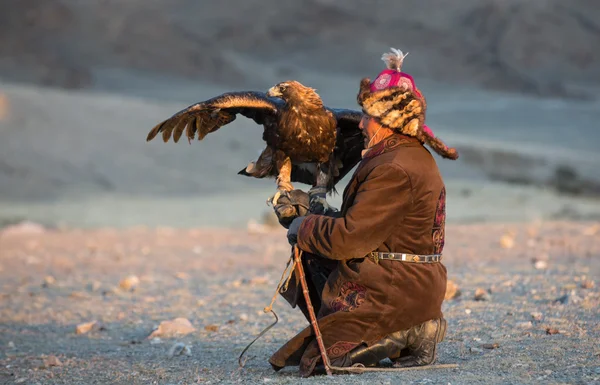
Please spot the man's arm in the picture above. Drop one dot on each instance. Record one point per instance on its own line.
(379, 207)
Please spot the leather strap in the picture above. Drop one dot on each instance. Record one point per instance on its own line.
(404, 257)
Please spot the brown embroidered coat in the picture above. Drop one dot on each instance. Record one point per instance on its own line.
(395, 202)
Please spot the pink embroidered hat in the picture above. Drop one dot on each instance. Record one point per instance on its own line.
(395, 101)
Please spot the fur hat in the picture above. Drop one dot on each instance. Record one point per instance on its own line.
(395, 101)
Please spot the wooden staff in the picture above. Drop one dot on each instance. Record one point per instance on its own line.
(311, 311)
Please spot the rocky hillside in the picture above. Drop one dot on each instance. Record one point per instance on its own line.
(542, 47)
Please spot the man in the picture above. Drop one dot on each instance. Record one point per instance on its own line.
(373, 268)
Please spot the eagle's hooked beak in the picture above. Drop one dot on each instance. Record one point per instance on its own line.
(274, 92)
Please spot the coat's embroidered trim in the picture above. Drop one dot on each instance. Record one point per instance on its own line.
(351, 296)
(340, 348)
(439, 222)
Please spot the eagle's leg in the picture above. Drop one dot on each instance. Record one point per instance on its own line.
(284, 181)
(318, 194)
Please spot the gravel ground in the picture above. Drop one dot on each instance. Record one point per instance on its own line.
(534, 319)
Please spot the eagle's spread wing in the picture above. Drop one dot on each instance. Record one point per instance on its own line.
(210, 115)
(347, 152)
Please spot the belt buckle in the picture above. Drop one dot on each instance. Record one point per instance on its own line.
(375, 256)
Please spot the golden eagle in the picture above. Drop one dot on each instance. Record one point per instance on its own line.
(307, 142)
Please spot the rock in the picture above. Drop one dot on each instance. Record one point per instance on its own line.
(507, 241)
(129, 283)
(244, 317)
(540, 265)
(94, 286)
(4, 107)
(211, 328)
(179, 349)
(468, 311)
(259, 280)
(537, 316)
(23, 228)
(476, 350)
(182, 275)
(178, 326)
(562, 300)
(452, 290)
(481, 295)
(587, 284)
(85, 327)
(51, 361)
(552, 331)
(592, 230)
(11, 345)
(491, 346)
(524, 325)
(155, 341)
(48, 281)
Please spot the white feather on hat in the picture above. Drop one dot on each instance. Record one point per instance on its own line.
(393, 60)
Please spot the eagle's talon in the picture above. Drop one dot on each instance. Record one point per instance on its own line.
(273, 199)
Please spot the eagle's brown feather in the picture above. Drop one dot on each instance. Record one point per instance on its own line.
(298, 128)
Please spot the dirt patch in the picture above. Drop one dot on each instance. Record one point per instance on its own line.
(535, 322)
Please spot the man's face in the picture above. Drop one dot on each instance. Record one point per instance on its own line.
(368, 126)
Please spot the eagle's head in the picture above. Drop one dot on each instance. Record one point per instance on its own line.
(294, 92)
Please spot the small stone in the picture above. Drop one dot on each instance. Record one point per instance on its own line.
(200, 303)
(537, 316)
(197, 250)
(540, 265)
(491, 346)
(11, 345)
(507, 241)
(155, 341)
(562, 300)
(481, 295)
(23, 228)
(179, 349)
(259, 280)
(236, 283)
(211, 328)
(570, 286)
(476, 350)
(468, 311)
(244, 317)
(51, 361)
(48, 281)
(587, 284)
(547, 372)
(525, 325)
(177, 326)
(182, 275)
(129, 283)
(94, 286)
(78, 295)
(20, 380)
(552, 331)
(452, 290)
(85, 327)
(592, 230)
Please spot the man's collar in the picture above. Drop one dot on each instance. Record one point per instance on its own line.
(388, 144)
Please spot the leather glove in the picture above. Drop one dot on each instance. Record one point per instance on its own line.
(292, 234)
(292, 206)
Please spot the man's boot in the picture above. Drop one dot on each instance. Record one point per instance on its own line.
(422, 344)
(416, 346)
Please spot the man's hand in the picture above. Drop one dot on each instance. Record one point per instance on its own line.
(292, 206)
(292, 234)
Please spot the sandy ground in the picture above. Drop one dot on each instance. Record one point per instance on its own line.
(534, 277)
